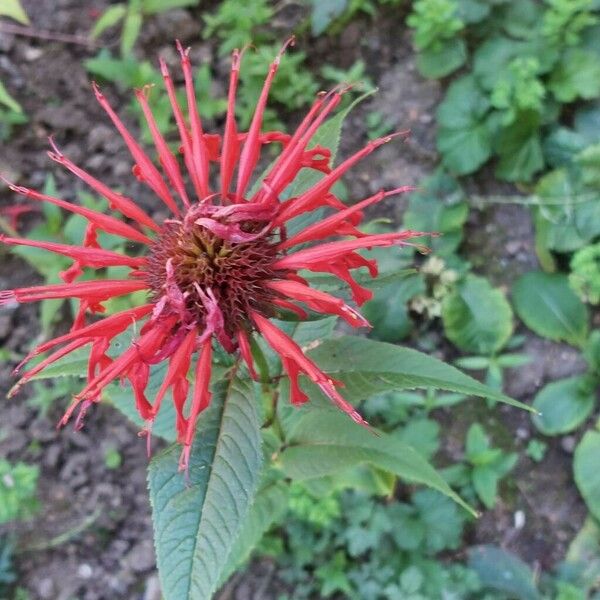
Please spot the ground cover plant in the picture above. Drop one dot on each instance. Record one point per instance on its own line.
(456, 496)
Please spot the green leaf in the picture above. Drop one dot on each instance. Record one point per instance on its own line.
(577, 75)
(387, 311)
(151, 7)
(8, 100)
(431, 213)
(491, 60)
(324, 12)
(502, 571)
(326, 441)
(463, 138)
(368, 367)
(477, 318)
(131, 30)
(73, 364)
(546, 304)
(18, 486)
(473, 11)
(197, 521)
(109, 18)
(568, 214)
(13, 9)
(564, 405)
(519, 147)
(269, 507)
(585, 469)
(436, 62)
(519, 19)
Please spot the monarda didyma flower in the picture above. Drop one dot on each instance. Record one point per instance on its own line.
(219, 267)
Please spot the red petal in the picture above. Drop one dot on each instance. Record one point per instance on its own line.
(313, 198)
(87, 257)
(96, 291)
(304, 259)
(251, 150)
(319, 301)
(287, 348)
(199, 149)
(146, 168)
(246, 352)
(167, 160)
(123, 204)
(329, 226)
(102, 221)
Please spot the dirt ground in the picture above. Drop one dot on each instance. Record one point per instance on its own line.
(93, 539)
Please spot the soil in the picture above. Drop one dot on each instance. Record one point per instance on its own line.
(93, 538)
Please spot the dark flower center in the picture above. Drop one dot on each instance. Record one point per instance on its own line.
(204, 264)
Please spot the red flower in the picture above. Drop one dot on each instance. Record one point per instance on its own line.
(220, 266)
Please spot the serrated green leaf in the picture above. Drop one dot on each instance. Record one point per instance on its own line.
(564, 405)
(368, 367)
(73, 364)
(197, 521)
(327, 441)
(477, 318)
(546, 304)
(13, 9)
(586, 472)
(268, 508)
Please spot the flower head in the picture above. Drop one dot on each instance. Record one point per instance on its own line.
(220, 267)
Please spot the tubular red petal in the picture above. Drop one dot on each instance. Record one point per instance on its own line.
(303, 259)
(287, 305)
(230, 137)
(313, 197)
(297, 396)
(319, 301)
(167, 160)
(140, 351)
(251, 149)
(87, 257)
(146, 169)
(123, 204)
(199, 150)
(102, 221)
(184, 134)
(108, 327)
(200, 401)
(179, 364)
(291, 159)
(46, 362)
(246, 352)
(287, 348)
(329, 226)
(139, 376)
(95, 291)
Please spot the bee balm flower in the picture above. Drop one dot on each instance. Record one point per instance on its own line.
(220, 267)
